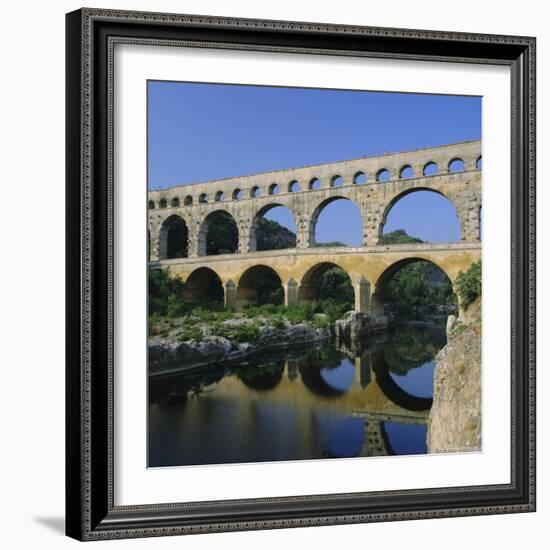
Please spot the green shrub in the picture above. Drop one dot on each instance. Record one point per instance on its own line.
(320, 321)
(457, 328)
(176, 308)
(244, 332)
(469, 284)
(190, 333)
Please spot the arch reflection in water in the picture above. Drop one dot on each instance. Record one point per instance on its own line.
(305, 403)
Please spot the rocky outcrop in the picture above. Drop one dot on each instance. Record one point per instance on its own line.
(455, 418)
(355, 325)
(167, 355)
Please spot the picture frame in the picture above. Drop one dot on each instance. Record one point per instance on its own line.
(91, 510)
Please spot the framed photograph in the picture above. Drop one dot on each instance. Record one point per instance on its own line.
(300, 274)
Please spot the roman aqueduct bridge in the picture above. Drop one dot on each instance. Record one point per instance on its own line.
(374, 184)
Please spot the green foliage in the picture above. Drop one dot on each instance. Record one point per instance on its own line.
(457, 328)
(469, 284)
(191, 332)
(399, 236)
(330, 243)
(223, 235)
(321, 321)
(419, 284)
(164, 293)
(211, 313)
(243, 332)
(271, 235)
(336, 285)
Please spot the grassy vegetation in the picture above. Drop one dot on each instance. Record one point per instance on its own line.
(469, 284)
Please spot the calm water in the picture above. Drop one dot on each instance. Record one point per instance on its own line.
(318, 402)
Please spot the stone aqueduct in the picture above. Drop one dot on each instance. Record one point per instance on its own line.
(306, 191)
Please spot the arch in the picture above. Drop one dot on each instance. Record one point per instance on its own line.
(271, 236)
(314, 184)
(397, 198)
(151, 205)
(261, 378)
(479, 162)
(163, 203)
(203, 198)
(218, 234)
(255, 192)
(313, 223)
(395, 393)
(456, 165)
(311, 287)
(293, 186)
(430, 169)
(237, 194)
(203, 286)
(175, 202)
(188, 201)
(311, 373)
(384, 295)
(406, 172)
(274, 189)
(174, 238)
(259, 285)
(219, 196)
(383, 175)
(359, 177)
(336, 181)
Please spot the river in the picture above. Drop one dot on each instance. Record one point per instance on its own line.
(326, 401)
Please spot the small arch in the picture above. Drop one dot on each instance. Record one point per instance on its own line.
(175, 202)
(314, 184)
(293, 186)
(151, 205)
(188, 201)
(479, 163)
(260, 285)
(203, 286)
(383, 175)
(274, 189)
(359, 178)
(237, 194)
(219, 196)
(456, 165)
(174, 238)
(406, 172)
(218, 234)
(163, 203)
(203, 198)
(255, 192)
(336, 181)
(430, 169)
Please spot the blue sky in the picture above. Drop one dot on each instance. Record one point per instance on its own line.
(199, 132)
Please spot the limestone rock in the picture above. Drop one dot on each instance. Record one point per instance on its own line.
(455, 418)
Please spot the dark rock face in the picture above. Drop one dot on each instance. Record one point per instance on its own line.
(455, 418)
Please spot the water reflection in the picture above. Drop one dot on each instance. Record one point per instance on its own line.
(369, 399)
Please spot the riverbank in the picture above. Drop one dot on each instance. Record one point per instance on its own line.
(190, 343)
(178, 349)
